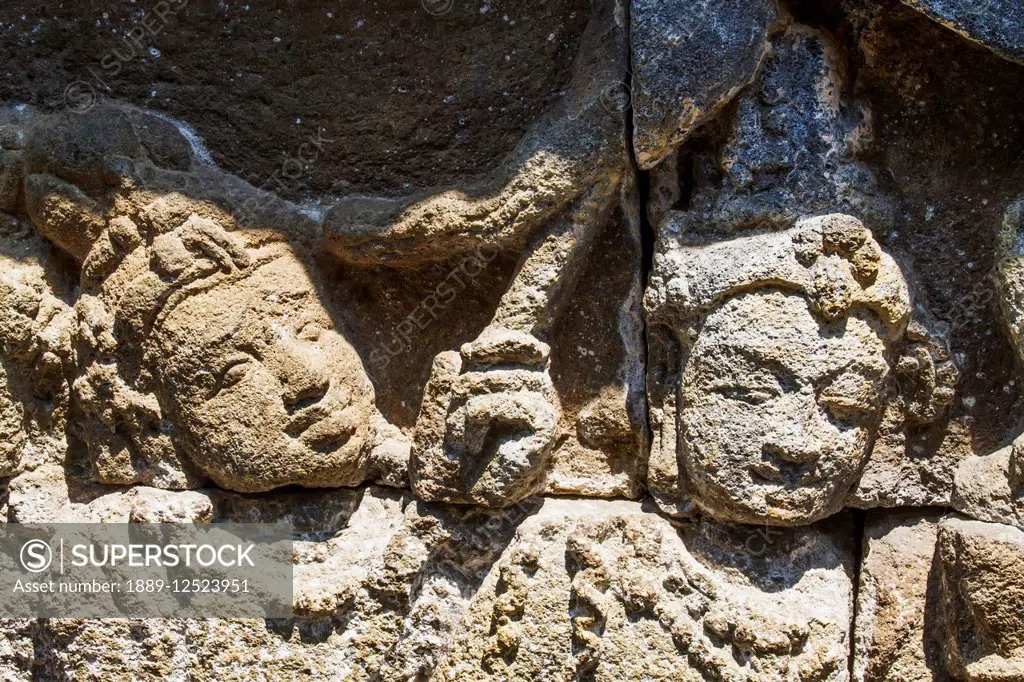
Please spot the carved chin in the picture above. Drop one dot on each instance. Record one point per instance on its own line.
(747, 498)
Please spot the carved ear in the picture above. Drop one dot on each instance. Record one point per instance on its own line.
(926, 374)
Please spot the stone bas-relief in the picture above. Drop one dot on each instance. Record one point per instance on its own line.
(391, 588)
(791, 142)
(36, 323)
(199, 353)
(209, 346)
(620, 379)
(766, 382)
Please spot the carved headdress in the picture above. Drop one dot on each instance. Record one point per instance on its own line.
(833, 260)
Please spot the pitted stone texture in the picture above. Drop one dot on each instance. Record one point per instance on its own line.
(203, 351)
(510, 414)
(996, 24)
(603, 591)
(392, 589)
(36, 326)
(905, 468)
(227, 335)
(435, 106)
(689, 60)
(482, 437)
(982, 587)
(792, 145)
(12, 434)
(770, 356)
(897, 630)
(1010, 273)
(991, 487)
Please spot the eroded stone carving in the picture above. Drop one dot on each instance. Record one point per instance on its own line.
(179, 263)
(390, 588)
(484, 436)
(35, 351)
(213, 340)
(490, 417)
(648, 602)
(790, 147)
(768, 372)
(202, 350)
(792, 143)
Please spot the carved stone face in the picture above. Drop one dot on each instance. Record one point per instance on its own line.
(266, 390)
(778, 408)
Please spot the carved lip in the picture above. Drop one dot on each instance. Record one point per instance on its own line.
(322, 426)
(305, 418)
(785, 475)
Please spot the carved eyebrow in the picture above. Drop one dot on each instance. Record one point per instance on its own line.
(784, 374)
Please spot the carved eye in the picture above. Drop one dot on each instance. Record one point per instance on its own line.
(233, 373)
(752, 395)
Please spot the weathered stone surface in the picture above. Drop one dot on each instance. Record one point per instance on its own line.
(490, 416)
(201, 351)
(922, 81)
(187, 270)
(998, 24)
(403, 245)
(399, 96)
(392, 589)
(790, 147)
(35, 351)
(991, 487)
(689, 59)
(897, 633)
(648, 602)
(982, 587)
(904, 470)
(768, 364)
(1010, 273)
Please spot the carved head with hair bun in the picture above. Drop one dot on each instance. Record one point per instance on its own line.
(205, 352)
(782, 347)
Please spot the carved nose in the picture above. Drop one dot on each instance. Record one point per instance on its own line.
(304, 381)
(797, 442)
(303, 394)
(792, 451)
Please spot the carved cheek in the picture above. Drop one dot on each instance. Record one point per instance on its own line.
(721, 433)
(252, 402)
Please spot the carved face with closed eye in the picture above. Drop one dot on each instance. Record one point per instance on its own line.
(263, 387)
(779, 408)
